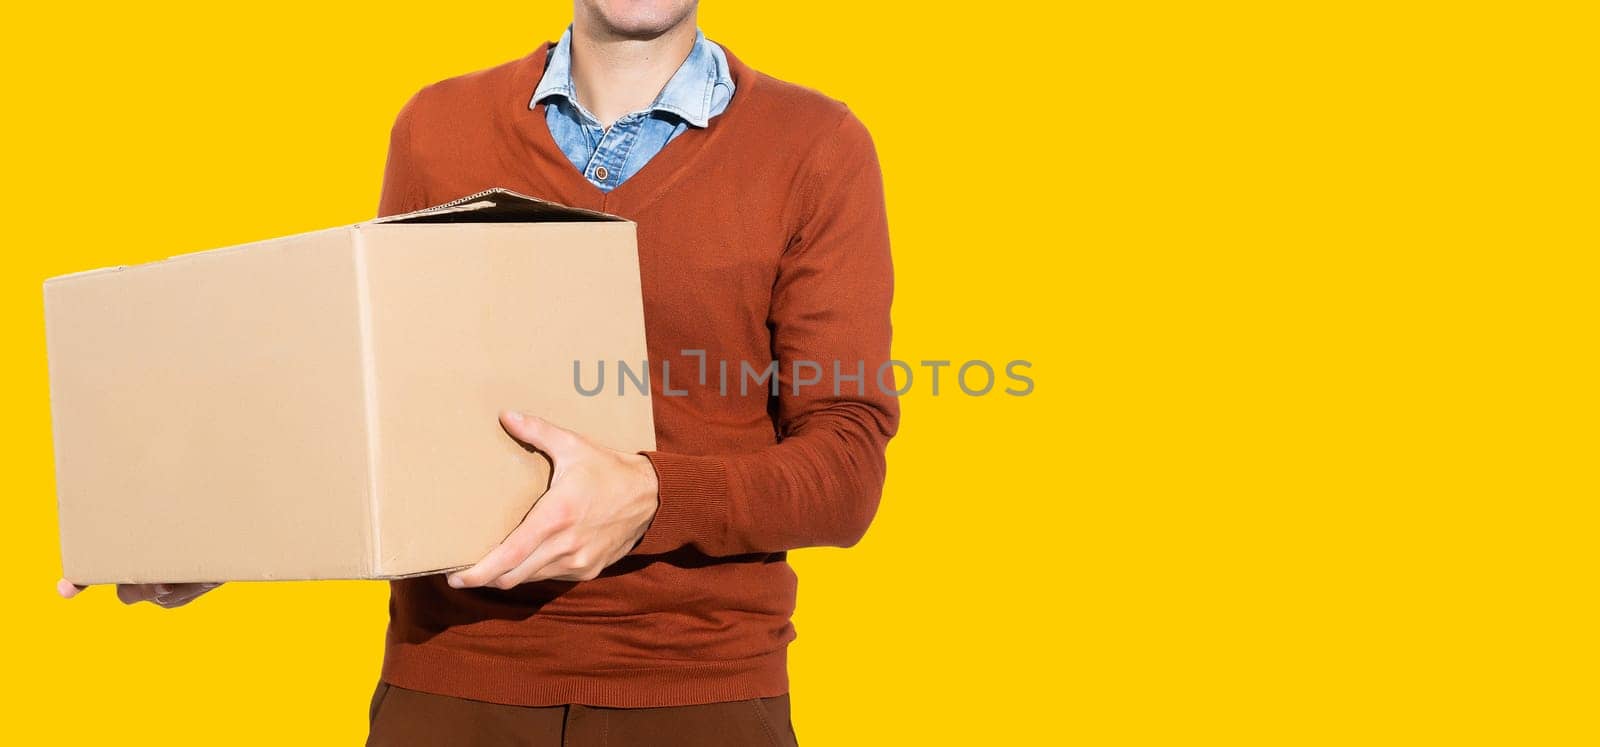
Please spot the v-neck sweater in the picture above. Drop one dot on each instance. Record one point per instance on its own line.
(762, 238)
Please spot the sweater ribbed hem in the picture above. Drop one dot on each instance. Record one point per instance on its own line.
(694, 498)
(464, 674)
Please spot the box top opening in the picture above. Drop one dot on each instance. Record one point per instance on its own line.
(498, 205)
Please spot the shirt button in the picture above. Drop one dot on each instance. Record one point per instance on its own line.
(601, 173)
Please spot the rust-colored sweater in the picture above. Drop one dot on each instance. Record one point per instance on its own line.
(761, 238)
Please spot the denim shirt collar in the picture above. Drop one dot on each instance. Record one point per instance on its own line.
(687, 94)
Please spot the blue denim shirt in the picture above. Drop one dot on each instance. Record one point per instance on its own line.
(699, 91)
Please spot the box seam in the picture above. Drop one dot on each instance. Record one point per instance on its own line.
(369, 395)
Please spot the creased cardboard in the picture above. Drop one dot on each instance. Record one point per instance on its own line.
(324, 405)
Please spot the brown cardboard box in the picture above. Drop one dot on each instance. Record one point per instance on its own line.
(324, 405)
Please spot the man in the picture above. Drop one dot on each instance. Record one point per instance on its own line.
(645, 599)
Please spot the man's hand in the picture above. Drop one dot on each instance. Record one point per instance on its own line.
(164, 595)
(598, 506)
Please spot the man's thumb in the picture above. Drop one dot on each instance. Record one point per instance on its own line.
(539, 433)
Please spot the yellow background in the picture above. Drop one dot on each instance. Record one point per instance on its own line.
(1308, 289)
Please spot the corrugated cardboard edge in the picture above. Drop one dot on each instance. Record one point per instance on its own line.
(420, 574)
(484, 199)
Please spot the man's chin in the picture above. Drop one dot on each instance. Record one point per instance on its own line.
(642, 29)
(636, 33)
(639, 21)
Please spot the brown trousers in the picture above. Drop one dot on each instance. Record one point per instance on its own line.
(407, 718)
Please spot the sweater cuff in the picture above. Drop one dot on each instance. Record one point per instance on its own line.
(693, 493)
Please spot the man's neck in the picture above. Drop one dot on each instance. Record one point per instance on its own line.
(618, 75)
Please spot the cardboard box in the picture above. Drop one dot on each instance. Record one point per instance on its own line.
(325, 405)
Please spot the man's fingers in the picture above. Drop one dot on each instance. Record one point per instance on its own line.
(165, 595)
(524, 541)
(178, 595)
(502, 558)
(521, 554)
(136, 593)
(544, 557)
(541, 434)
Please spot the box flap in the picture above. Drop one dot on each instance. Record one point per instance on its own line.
(497, 205)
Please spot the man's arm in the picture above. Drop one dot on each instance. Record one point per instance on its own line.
(821, 483)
